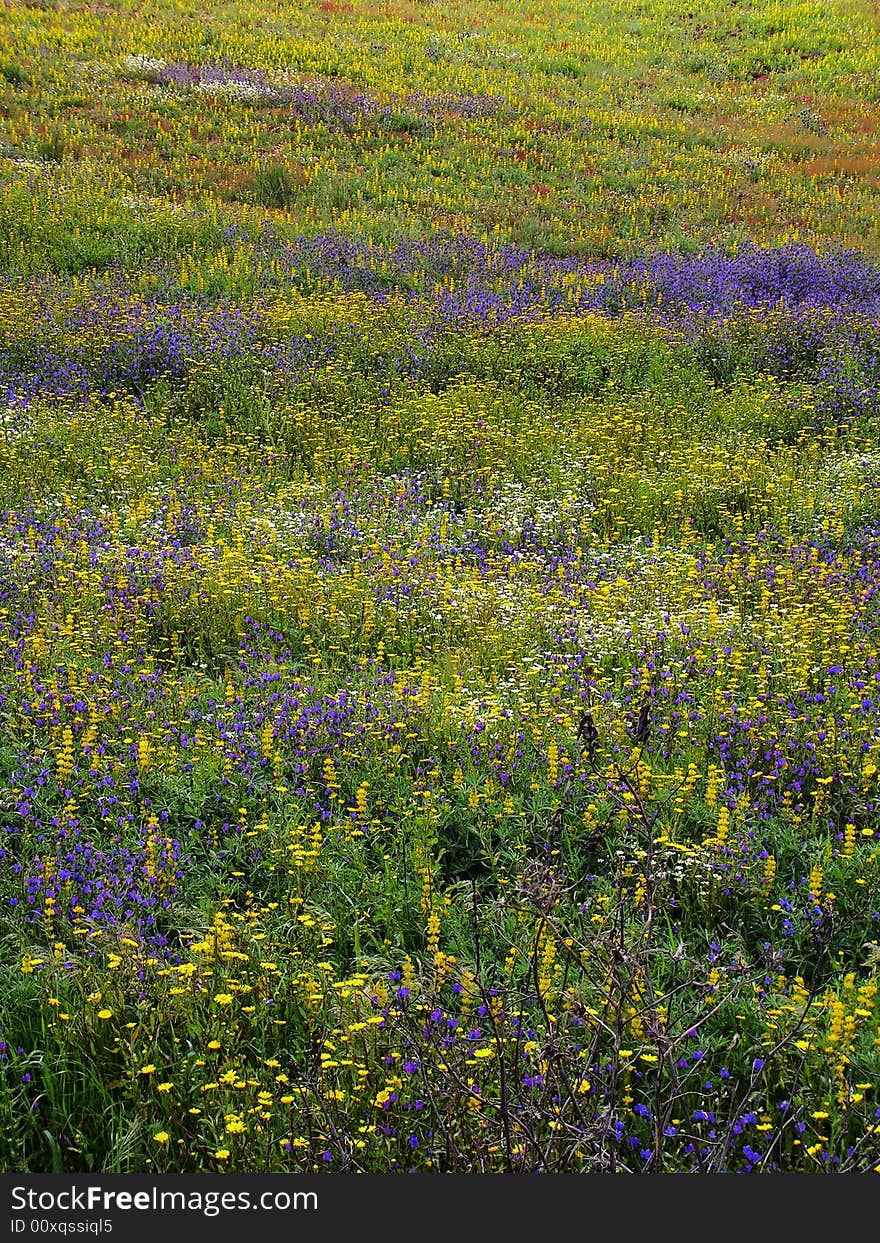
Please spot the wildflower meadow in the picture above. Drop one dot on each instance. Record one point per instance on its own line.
(439, 586)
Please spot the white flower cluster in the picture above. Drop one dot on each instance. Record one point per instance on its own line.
(144, 67)
(228, 88)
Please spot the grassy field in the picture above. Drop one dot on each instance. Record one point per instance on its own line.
(439, 586)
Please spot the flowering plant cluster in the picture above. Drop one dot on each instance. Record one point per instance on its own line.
(439, 589)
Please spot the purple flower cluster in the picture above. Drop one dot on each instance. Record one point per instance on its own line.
(785, 311)
(334, 105)
(108, 338)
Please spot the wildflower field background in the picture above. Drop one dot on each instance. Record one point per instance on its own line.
(439, 586)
